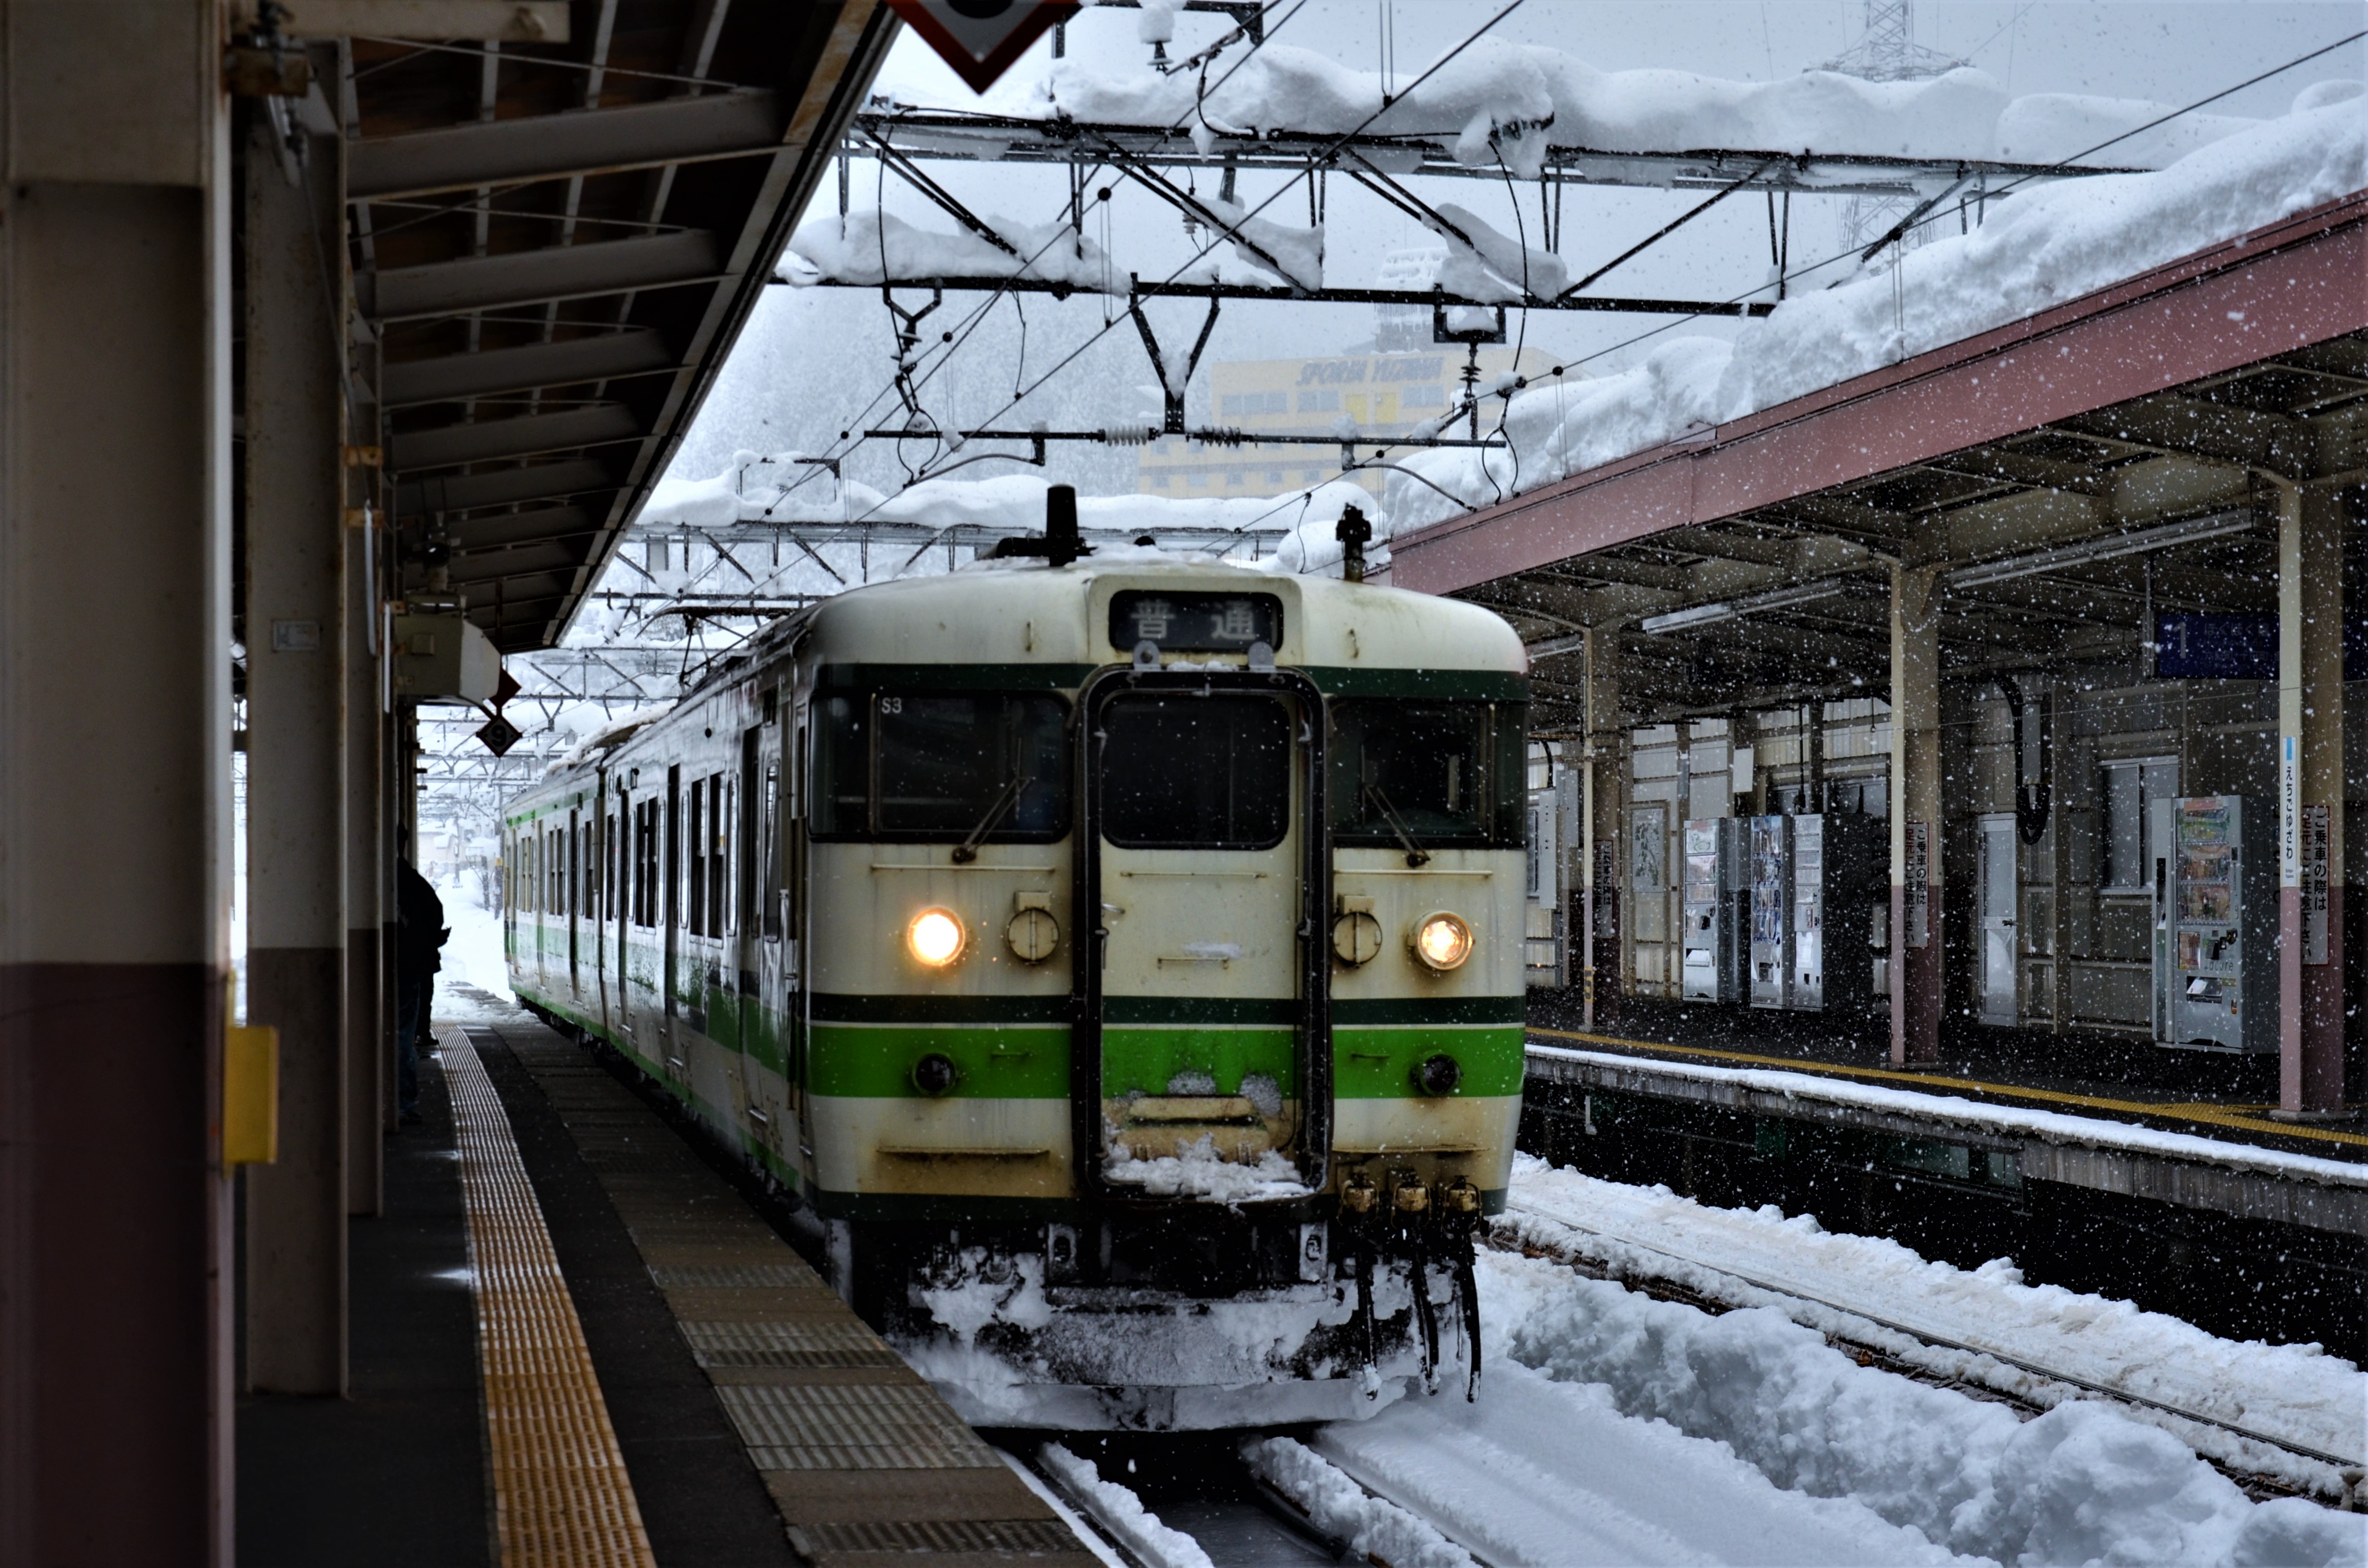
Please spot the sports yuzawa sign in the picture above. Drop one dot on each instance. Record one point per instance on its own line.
(980, 38)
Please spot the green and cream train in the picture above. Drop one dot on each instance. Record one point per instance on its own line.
(1117, 959)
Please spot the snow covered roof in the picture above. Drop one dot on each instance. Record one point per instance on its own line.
(2047, 248)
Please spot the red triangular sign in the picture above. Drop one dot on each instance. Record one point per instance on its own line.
(980, 38)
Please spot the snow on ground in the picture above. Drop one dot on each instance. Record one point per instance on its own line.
(474, 954)
(1521, 97)
(2289, 1393)
(2049, 1126)
(2044, 247)
(1856, 1451)
(1122, 1513)
(1551, 1471)
(1339, 1508)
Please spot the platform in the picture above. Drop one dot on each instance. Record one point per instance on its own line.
(575, 1342)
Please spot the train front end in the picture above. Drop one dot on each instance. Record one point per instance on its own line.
(1163, 1045)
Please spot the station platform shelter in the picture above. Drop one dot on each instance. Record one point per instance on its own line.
(341, 340)
(1997, 710)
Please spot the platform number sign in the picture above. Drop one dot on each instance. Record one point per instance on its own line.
(980, 38)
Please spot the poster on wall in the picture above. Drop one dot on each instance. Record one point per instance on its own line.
(1917, 895)
(2315, 836)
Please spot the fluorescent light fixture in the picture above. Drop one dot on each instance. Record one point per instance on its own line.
(1727, 609)
(2139, 542)
(1547, 647)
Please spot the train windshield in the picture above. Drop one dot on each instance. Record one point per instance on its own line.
(989, 766)
(1443, 774)
(1191, 772)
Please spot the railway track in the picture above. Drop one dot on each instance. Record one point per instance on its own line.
(1933, 1359)
(1202, 1494)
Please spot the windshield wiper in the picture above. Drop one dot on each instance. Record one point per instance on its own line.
(1415, 853)
(997, 809)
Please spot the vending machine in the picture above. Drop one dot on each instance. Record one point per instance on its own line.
(1715, 896)
(2215, 918)
(1840, 865)
(1770, 910)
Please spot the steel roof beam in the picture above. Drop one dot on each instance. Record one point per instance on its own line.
(1617, 303)
(526, 435)
(529, 368)
(538, 277)
(502, 530)
(462, 493)
(559, 146)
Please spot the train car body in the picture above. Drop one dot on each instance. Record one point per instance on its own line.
(1120, 961)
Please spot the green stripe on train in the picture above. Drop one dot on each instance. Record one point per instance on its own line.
(1031, 1060)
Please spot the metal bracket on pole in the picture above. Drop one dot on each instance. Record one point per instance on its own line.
(1171, 396)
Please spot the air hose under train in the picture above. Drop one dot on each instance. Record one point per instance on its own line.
(1420, 1234)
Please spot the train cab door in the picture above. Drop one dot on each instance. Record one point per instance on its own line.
(2001, 949)
(1202, 851)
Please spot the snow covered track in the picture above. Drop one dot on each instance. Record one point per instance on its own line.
(2288, 1414)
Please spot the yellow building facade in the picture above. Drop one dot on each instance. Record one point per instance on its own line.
(1381, 394)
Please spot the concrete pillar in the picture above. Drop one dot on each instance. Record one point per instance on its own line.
(1916, 823)
(115, 827)
(2312, 522)
(1604, 764)
(295, 612)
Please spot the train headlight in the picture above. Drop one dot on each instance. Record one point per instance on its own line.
(1437, 1075)
(1444, 941)
(933, 1075)
(936, 936)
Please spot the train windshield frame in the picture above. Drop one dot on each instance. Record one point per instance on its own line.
(941, 768)
(1452, 773)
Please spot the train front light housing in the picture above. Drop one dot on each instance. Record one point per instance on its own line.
(1444, 941)
(935, 937)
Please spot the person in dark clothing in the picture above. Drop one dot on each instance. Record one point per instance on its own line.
(419, 940)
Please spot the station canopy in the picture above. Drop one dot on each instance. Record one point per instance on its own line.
(556, 244)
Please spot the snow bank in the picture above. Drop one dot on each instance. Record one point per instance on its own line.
(1552, 1474)
(1346, 1511)
(2042, 248)
(2288, 1393)
(1122, 1513)
(1523, 96)
(2079, 1484)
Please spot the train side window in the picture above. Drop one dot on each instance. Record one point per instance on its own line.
(1191, 772)
(695, 842)
(842, 769)
(723, 902)
(1445, 773)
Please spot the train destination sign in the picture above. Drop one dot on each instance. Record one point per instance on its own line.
(1199, 623)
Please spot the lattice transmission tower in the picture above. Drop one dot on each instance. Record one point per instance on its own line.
(1886, 50)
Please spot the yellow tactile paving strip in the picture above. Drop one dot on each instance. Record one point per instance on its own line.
(561, 1494)
(860, 1456)
(2236, 1118)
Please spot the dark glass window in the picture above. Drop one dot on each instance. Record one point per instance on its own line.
(935, 769)
(1451, 773)
(1188, 772)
